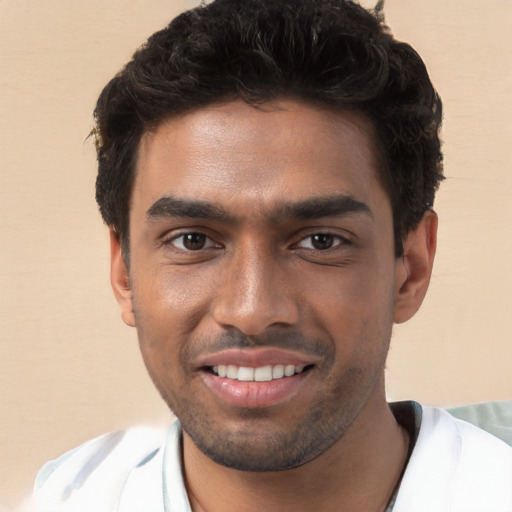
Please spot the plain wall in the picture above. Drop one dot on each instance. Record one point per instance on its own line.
(70, 369)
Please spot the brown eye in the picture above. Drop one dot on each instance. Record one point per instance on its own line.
(194, 241)
(322, 241)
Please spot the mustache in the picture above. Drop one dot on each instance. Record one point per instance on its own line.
(238, 340)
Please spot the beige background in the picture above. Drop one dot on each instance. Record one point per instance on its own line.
(70, 369)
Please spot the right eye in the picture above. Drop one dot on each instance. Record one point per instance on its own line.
(192, 241)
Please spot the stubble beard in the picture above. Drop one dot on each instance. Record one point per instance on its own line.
(256, 448)
(256, 443)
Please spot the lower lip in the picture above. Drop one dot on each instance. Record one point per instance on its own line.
(254, 395)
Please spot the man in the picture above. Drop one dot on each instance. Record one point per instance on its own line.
(267, 171)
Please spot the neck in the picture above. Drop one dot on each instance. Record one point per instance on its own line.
(357, 474)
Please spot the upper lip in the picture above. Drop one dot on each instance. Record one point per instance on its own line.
(256, 358)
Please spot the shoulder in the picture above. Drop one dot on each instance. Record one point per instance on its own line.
(494, 417)
(456, 467)
(92, 476)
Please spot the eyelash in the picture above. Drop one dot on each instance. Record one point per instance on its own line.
(337, 240)
(172, 240)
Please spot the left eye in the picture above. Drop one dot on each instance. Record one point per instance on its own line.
(192, 241)
(321, 241)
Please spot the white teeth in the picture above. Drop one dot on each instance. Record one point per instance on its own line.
(245, 374)
(278, 371)
(260, 374)
(263, 374)
(232, 372)
(289, 370)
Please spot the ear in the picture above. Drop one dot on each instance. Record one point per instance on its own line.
(120, 280)
(414, 268)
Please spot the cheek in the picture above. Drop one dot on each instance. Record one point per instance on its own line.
(356, 308)
(170, 301)
(168, 307)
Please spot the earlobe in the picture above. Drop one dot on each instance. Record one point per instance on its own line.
(120, 280)
(414, 268)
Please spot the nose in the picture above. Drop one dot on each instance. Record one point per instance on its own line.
(256, 292)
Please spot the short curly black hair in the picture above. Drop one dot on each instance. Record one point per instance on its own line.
(329, 52)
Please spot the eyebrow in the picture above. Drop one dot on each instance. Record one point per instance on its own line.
(170, 206)
(336, 205)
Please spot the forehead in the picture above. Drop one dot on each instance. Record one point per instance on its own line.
(234, 149)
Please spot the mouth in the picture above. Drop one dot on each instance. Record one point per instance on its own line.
(265, 373)
(257, 378)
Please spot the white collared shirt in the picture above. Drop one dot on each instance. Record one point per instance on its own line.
(454, 467)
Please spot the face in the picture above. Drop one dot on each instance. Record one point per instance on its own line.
(262, 277)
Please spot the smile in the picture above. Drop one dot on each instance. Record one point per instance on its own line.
(252, 382)
(260, 374)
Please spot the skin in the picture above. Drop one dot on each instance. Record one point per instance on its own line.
(228, 256)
